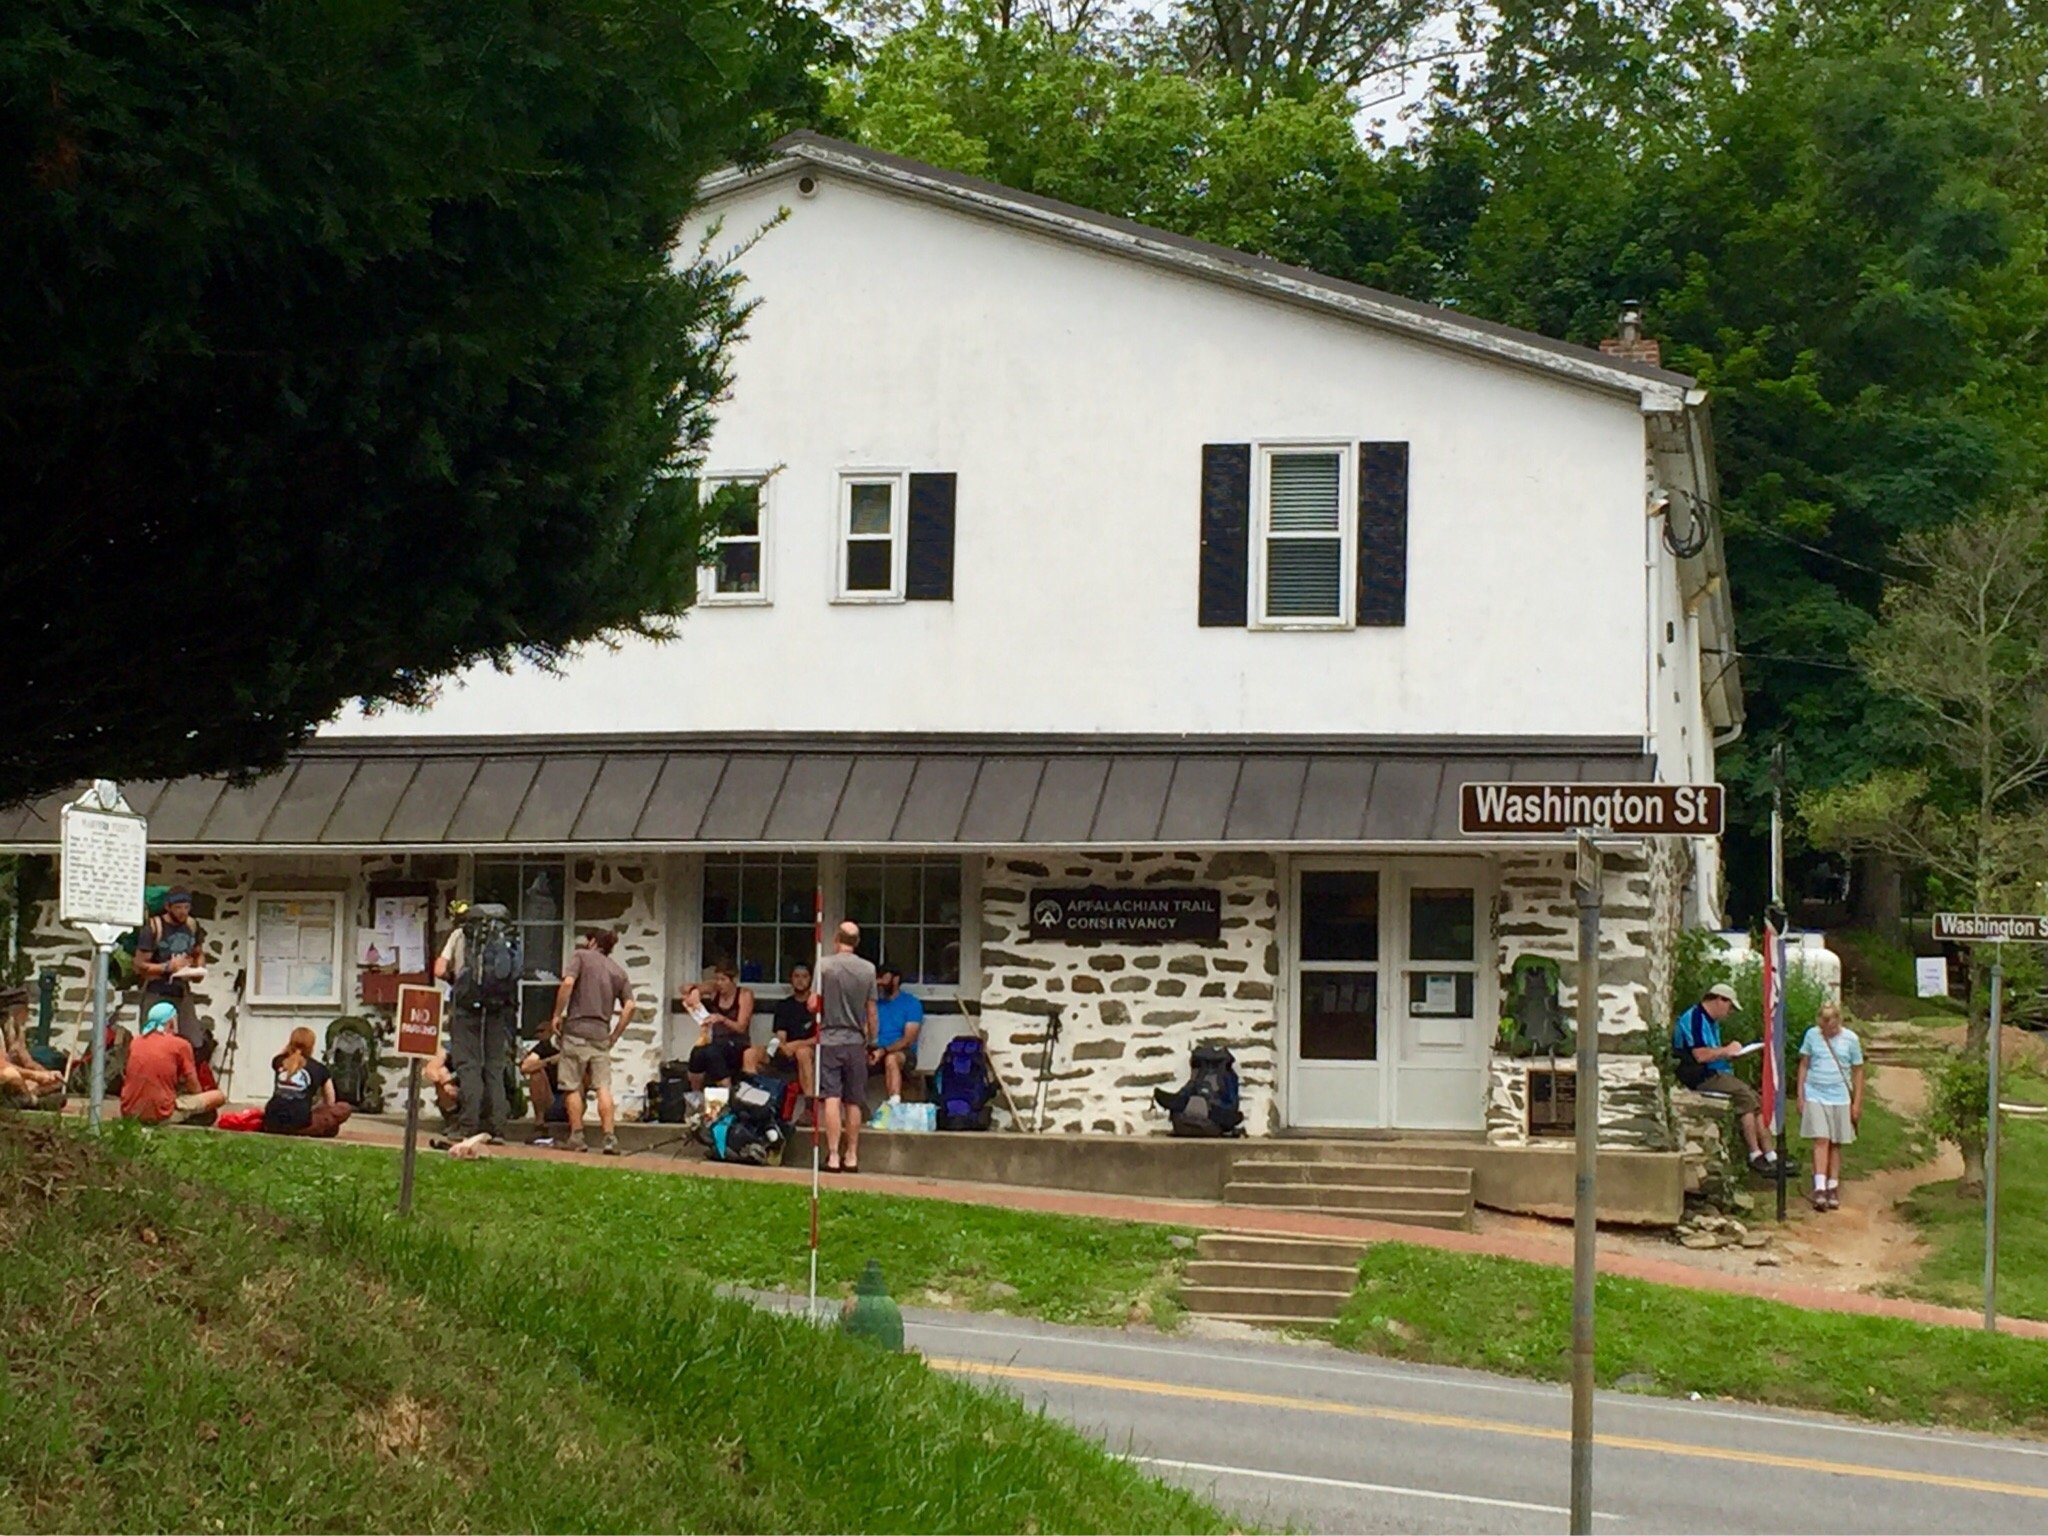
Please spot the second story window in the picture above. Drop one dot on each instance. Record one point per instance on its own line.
(872, 543)
(1305, 542)
(738, 569)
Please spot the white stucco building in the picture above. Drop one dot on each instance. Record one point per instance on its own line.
(1086, 557)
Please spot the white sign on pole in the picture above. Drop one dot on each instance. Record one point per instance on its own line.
(105, 862)
(1931, 972)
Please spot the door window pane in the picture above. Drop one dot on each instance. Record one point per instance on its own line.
(1440, 924)
(1340, 914)
(535, 893)
(1340, 1016)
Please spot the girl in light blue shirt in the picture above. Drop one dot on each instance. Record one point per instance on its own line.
(1830, 1100)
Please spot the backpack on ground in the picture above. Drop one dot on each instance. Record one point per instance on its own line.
(965, 1086)
(352, 1063)
(491, 958)
(118, 1040)
(1206, 1105)
(749, 1131)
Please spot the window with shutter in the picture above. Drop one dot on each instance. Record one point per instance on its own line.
(871, 552)
(1305, 538)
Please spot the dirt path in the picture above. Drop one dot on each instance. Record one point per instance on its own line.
(1865, 1245)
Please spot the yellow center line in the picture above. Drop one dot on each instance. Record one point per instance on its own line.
(1430, 1420)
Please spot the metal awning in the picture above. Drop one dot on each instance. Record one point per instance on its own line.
(850, 791)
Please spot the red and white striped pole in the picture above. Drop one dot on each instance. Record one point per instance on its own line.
(817, 960)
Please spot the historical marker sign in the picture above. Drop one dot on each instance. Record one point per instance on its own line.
(1623, 810)
(1127, 914)
(419, 1020)
(1990, 928)
(105, 862)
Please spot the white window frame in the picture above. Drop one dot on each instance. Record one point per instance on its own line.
(1346, 616)
(708, 594)
(338, 901)
(898, 481)
(970, 904)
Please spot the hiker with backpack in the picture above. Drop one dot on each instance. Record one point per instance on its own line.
(25, 1083)
(594, 990)
(483, 963)
(302, 1100)
(170, 949)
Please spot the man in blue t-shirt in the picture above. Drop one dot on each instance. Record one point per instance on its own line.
(1705, 1065)
(898, 1018)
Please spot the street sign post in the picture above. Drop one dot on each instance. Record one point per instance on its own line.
(1997, 930)
(418, 1015)
(1591, 814)
(101, 874)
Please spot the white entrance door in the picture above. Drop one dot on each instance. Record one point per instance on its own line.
(1442, 1007)
(1391, 996)
(1336, 1076)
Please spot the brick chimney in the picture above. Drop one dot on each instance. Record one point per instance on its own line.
(1631, 345)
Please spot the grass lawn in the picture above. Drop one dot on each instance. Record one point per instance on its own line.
(1503, 1315)
(735, 1231)
(1954, 1271)
(179, 1359)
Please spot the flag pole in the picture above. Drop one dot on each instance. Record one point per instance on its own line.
(817, 960)
(1774, 939)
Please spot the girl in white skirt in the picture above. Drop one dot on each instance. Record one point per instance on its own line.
(1830, 1100)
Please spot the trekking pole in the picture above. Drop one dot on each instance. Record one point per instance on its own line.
(1052, 1039)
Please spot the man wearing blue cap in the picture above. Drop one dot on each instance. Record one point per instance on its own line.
(169, 951)
(161, 1085)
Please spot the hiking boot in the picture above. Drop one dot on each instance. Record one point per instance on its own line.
(495, 1141)
(611, 1146)
(574, 1144)
(1834, 1199)
(439, 1143)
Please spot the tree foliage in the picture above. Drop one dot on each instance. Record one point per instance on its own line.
(346, 348)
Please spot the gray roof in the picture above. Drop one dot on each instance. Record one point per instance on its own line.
(1219, 263)
(849, 791)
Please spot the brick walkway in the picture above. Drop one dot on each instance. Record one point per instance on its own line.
(1213, 1217)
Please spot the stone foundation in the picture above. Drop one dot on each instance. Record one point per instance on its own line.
(1713, 1166)
(1633, 1114)
(1130, 1013)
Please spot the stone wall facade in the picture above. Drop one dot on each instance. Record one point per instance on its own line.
(1538, 914)
(1634, 1114)
(1130, 1013)
(624, 892)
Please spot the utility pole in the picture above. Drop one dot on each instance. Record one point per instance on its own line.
(1585, 1207)
(1991, 1150)
(1777, 940)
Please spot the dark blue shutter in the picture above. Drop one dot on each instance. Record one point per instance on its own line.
(1226, 533)
(928, 562)
(1382, 534)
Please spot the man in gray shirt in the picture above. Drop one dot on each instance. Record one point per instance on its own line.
(846, 1028)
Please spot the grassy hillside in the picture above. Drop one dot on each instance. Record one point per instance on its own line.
(179, 1358)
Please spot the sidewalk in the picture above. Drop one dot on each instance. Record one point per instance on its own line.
(1213, 1217)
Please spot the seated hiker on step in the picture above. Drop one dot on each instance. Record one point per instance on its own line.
(899, 1018)
(161, 1083)
(541, 1067)
(795, 1049)
(1705, 1065)
(25, 1083)
(724, 1011)
(302, 1101)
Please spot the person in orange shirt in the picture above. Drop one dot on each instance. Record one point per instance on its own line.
(161, 1085)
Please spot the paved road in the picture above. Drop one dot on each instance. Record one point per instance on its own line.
(1310, 1438)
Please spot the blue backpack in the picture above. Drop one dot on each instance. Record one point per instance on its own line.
(965, 1085)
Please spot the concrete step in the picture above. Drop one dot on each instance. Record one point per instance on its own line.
(1259, 1320)
(1255, 1275)
(1279, 1149)
(1258, 1170)
(1256, 1248)
(1256, 1303)
(1360, 1192)
(1451, 1215)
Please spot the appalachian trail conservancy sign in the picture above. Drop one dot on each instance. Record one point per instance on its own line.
(1624, 810)
(1127, 915)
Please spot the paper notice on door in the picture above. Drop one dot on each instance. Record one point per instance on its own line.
(1439, 996)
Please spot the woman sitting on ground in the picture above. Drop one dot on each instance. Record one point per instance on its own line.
(302, 1102)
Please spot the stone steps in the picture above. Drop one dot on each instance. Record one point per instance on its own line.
(1246, 1277)
(1258, 1169)
(1381, 1202)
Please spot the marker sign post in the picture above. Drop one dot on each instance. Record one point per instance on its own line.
(104, 865)
(1591, 814)
(1997, 930)
(418, 1014)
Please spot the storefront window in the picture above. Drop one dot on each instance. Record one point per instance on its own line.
(908, 909)
(760, 914)
(535, 893)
